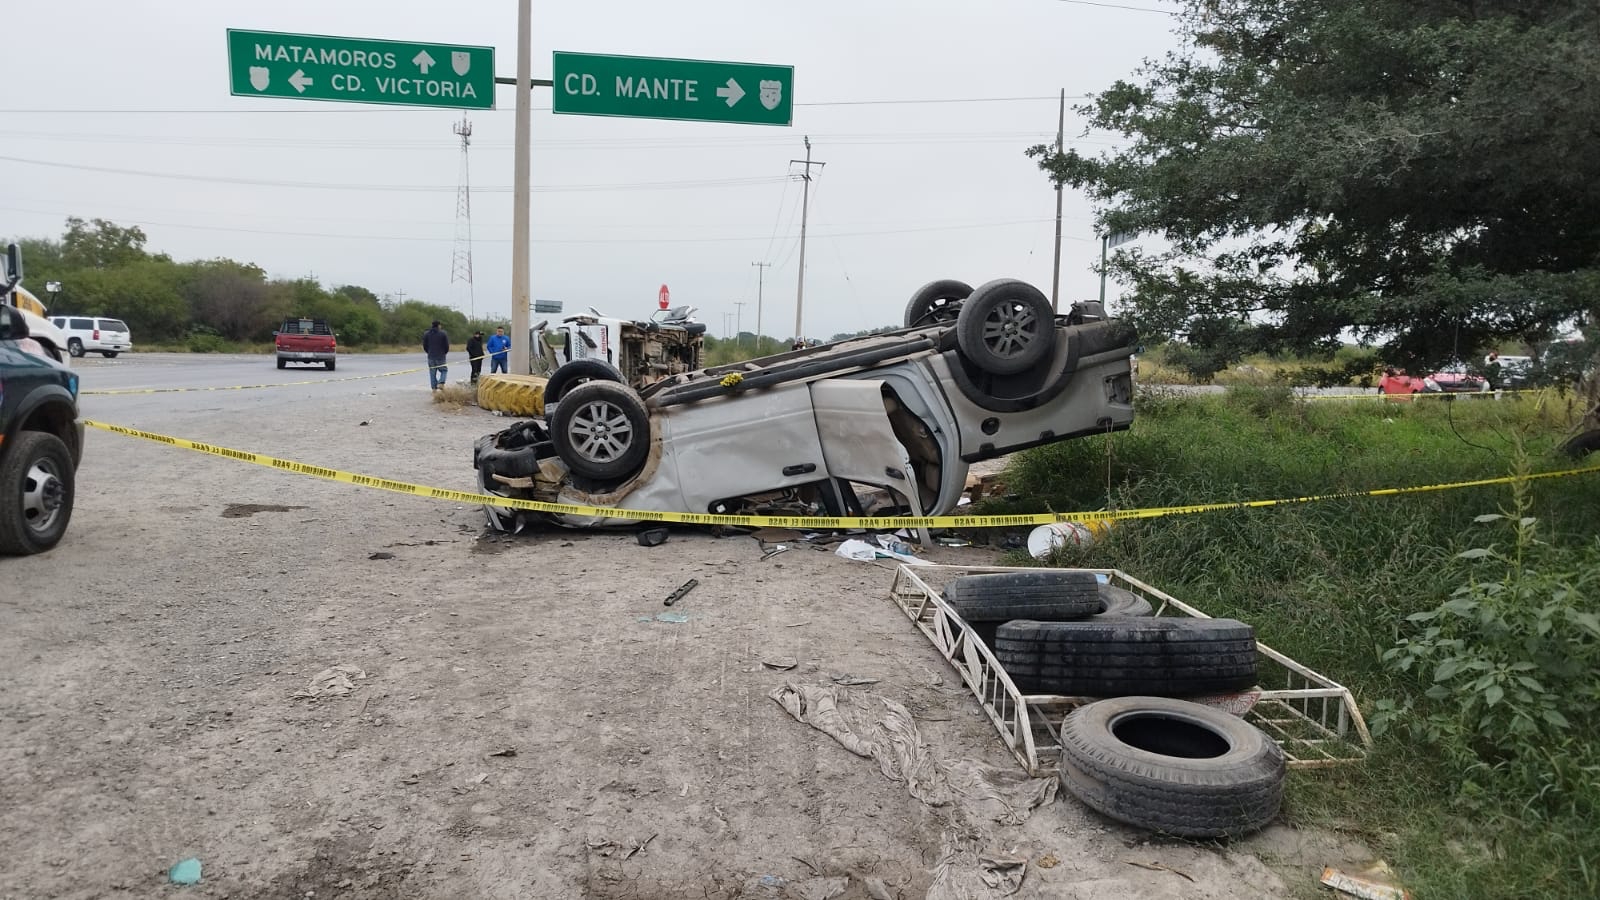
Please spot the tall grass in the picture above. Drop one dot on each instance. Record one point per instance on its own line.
(1463, 812)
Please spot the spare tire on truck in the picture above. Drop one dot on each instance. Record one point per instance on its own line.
(1172, 766)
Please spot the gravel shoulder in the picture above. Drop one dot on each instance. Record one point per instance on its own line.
(524, 720)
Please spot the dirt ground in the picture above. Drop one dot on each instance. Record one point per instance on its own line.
(526, 727)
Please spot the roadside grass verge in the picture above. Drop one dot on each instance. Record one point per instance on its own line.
(455, 395)
(1479, 785)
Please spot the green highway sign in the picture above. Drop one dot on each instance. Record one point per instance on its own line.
(359, 70)
(588, 84)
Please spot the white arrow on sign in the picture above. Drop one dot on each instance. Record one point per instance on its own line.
(733, 92)
(423, 61)
(299, 80)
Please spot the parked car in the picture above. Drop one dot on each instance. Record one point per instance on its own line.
(975, 374)
(1455, 379)
(304, 340)
(94, 334)
(41, 437)
(1509, 372)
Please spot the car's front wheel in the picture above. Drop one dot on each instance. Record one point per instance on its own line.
(601, 431)
(75, 347)
(36, 489)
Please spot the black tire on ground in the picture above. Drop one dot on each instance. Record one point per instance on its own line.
(1121, 603)
(110, 354)
(37, 485)
(569, 375)
(1166, 657)
(282, 363)
(601, 431)
(330, 364)
(1006, 327)
(74, 347)
(1171, 766)
(936, 302)
(1582, 445)
(1045, 596)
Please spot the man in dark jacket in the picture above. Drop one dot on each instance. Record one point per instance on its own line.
(436, 344)
(475, 354)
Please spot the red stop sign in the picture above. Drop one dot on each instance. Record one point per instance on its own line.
(665, 296)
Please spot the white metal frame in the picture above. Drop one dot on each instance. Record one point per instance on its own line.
(1312, 717)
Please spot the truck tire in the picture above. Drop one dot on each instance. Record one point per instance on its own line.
(936, 302)
(1006, 327)
(282, 363)
(601, 431)
(569, 375)
(1121, 603)
(1173, 767)
(1172, 657)
(74, 347)
(331, 364)
(37, 484)
(1045, 596)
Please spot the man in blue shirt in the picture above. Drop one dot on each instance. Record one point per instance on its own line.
(499, 345)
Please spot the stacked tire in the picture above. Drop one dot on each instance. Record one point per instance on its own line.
(1062, 632)
(1143, 757)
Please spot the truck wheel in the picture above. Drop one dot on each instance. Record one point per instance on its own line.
(331, 364)
(1042, 596)
(601, 431)
(36, 489)
(1172, 766)
(1169, 657)
(936, 302)
(570, 375)
(1006, 327)
(75, 347)
(282, 364)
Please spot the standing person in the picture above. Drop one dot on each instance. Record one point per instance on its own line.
(436, 344)
(499, 346)
(475, 354)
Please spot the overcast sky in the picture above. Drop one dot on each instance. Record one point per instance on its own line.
(911, 191)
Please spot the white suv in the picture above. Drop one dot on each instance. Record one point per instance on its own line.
(107, 337)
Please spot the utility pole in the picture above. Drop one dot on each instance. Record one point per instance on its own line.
(761, 271)
(519, 191)
(805, 208)
(725, 317)
(738, 320)
(1055, 278)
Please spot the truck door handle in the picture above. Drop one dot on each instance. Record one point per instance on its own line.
(802, 469)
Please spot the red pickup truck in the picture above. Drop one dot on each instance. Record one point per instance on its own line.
(306, 341)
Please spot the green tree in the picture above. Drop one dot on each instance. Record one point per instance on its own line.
(1420, 172)
(99, 244)
(235, 300)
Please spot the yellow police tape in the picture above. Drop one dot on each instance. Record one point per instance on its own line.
(809, 522)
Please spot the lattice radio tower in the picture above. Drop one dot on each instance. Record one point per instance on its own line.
(461, 260)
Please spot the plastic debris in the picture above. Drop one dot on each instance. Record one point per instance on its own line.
(331, 682)
(772, 881)
(652, 537)
(861, 551)
(781, 663)
(672, 617)
(1372, 884)
(186, 872)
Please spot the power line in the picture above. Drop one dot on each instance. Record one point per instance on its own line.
(1164, 12)
(442, 239)
(313, 110)
(394, 188)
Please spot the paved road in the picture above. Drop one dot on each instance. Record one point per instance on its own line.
(212, 378)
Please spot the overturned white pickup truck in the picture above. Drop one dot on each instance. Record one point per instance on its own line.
(974, 374)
